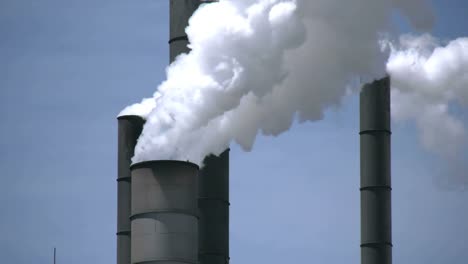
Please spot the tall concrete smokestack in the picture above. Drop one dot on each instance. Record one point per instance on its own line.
(129, 129)
(213, 204)
(179, 14)
(214, 177)
(164, 212)
(376, 225)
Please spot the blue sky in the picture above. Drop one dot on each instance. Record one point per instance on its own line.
(68, 67)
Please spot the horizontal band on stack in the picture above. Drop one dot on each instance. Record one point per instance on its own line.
(376, 244)
(166, 260)
(367, 188)
(165, 211)
(180, 38)
(125, 179)
(124, 233)
(370, 131)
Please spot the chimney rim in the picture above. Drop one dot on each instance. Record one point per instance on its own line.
(148, 163)
(131, 117)
(377, 82)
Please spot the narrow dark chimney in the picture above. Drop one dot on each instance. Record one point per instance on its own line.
(129, 129)
(376, 219)
(179, 13)
(213, 204)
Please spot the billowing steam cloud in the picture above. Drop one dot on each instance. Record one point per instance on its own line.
(427, 79)
(256, 65)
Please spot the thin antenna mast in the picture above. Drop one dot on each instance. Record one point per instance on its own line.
(54, 255)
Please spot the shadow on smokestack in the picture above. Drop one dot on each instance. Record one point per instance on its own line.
(213, 204)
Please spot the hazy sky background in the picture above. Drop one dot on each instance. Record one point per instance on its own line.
(68, 67)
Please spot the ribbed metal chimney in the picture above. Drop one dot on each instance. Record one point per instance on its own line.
(213, 204)
(179, 14)
(214, 176)
(376, 219)
(129, 129)
(164, 212)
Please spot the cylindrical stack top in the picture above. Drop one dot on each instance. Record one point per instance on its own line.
(375, 124)
(162, 164)
(133, 117)
(129, 130)
(375, 106)
(215, 180)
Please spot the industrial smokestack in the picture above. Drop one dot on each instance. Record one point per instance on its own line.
(164, 212)
(213, 204)
(376, 226)
(179, 14)
(129, 129)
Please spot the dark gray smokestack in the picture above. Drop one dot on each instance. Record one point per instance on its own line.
(179, 14)
(129, 129)
(213, 204)
(376, 225)
(164, 212)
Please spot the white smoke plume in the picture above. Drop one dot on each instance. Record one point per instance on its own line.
(427, 79)
(256, 65)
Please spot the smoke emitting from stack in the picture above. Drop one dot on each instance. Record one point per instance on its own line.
(257, 66)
